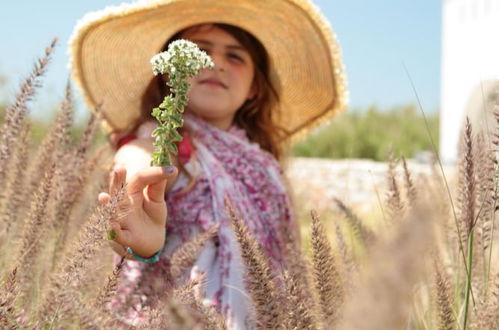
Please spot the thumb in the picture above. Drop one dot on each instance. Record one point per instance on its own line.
(156, 190)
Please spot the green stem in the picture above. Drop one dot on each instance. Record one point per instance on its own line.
(468, 278)
(492, 216)
(446, 183)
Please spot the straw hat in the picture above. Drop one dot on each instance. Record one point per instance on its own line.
(110, 52)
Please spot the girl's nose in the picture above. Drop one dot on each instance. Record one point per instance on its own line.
(219, 62)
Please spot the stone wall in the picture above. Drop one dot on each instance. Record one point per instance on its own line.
(357, 182)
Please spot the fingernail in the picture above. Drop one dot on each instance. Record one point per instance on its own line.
(169, 169)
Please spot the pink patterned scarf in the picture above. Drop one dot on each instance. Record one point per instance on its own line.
(224, 164)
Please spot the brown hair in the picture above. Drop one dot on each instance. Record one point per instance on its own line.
(255, 115)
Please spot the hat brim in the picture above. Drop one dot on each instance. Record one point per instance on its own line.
(110, 52)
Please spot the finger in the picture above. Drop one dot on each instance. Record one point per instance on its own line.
(156, 191)
(103, 198)
(122, 236)
(112, 178)
(114, 138)
(118, 179)
(149, 176)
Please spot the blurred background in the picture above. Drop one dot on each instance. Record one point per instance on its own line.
(377, 38)
(403, 58)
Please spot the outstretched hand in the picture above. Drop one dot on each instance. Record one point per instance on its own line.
(141, 217)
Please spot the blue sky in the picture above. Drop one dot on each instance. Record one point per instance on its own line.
(377, 38)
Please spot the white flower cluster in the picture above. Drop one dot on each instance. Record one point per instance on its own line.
(182, 59)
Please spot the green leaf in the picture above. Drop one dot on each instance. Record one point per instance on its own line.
(111, 235)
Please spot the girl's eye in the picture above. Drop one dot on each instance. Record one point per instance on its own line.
(235, 57)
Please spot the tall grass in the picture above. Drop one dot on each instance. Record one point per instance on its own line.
(423, 269)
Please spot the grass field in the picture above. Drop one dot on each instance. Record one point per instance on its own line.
(430, 261)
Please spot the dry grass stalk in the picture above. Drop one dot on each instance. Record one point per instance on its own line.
(56, 140)
(259, 280)
(467, 185)
(298, 269)
(301, 310)
(156, 320)
(487, 312)
(14, 188)
(486, 178)
(327, 278)
(92, 178)
(486, 191)
(64, 121)
(110, 287)
(364, 234)
(346, 256)
(9, 315)
(16, 113)
(33, 232)
(495, 136)
(210, 318)
(467, 211)
(171, 315)
(57, 300)
(86, 316)
(300, 313)
(186, 255)
(191, 295)
(179, 317)
(443, 293)
(493, 308)
(72, 180)
(383, 296)
(410, 188)
(394, 204)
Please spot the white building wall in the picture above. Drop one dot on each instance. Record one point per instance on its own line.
(470, 57)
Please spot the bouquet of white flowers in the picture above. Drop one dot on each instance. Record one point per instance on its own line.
(182, 60)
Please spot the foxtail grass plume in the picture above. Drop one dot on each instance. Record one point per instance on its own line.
(72, 177)
(364, 234)
(57, 300)
(33, 238)
(187, 253)
(15, 114)
(467, 184)
(110, 287)
(9, 294)
(443, 298)
(300, 309)
(12, 208)
(410, 188)
(394, 203)
(259, 280)
(328, 281)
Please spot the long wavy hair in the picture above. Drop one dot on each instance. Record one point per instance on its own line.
(255, 115)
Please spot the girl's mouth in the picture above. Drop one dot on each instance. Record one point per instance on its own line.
(213, 82)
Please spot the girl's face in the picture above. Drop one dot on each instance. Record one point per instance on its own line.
(216, 94)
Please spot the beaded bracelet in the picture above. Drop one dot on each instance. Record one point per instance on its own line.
(150, 260)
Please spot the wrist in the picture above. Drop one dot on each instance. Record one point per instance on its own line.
(144, 253)
(150, 259)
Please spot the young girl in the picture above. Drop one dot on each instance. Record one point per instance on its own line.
(277, 74)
